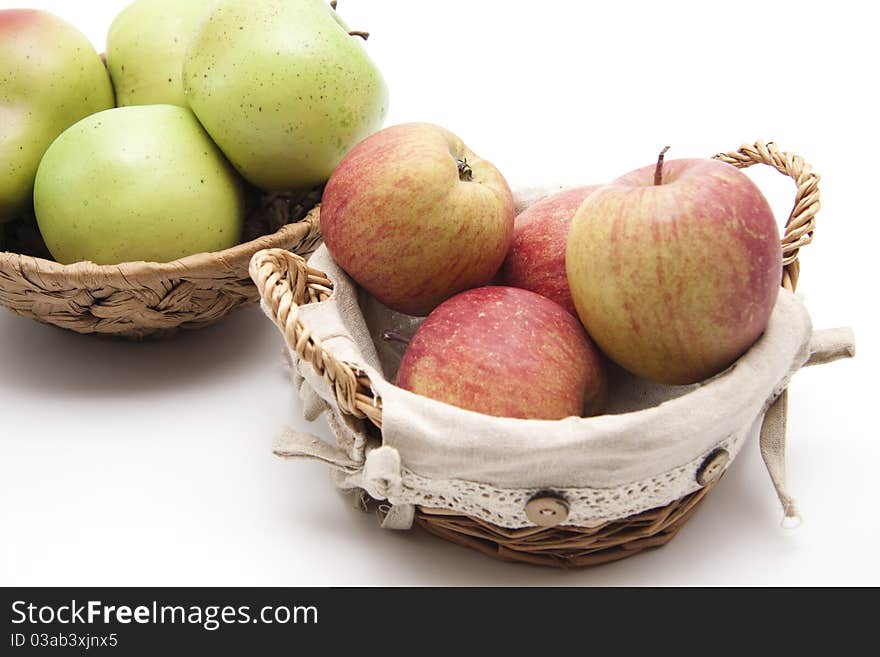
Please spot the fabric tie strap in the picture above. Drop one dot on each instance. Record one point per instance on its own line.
(773, 433)
(826, 346)
(292, 444)
(379, 475)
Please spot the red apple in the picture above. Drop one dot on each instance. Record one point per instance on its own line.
(414, 217)
(675, 269)
(507, 352)
(536, 260)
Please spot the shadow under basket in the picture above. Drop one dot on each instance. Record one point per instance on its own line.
(552, 502)
(140, 300)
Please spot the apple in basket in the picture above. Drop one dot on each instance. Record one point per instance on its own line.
(506, 352)
(283, 87)
(146, 45)
(414, 216)
(536, 260)
(137, 183)
(50, 78)
(675, 268)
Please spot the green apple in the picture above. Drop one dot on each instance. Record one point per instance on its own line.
(145, 49)
(137, 183)
(283, 89)
(50, 78)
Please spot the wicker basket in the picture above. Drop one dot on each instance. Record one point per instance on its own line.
(287, 282)
(137, 300)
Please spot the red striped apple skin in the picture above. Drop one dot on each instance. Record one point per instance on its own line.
(675, 281)
(398, 218)
(536, 260)
(506, 352)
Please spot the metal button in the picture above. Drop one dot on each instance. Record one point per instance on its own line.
(547, 510)
(712, 467)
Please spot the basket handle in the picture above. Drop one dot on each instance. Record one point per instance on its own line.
(801, 223)
(286, 282)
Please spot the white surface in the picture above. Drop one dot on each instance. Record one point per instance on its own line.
(126, 464)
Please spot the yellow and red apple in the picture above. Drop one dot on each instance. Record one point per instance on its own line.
(675, 268)
(414, 216)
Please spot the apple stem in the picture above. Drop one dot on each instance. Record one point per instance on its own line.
(465, 173)
(658, 172)
(394, 336)
(357, 33)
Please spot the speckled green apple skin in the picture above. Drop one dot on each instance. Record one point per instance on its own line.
(675, 281)
(50, 78)
(283, 89)
(146, 45)
(397, 217)
(506, 352)
(137, 183)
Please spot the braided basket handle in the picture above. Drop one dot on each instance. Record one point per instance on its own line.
(801, 223)
(286, 282)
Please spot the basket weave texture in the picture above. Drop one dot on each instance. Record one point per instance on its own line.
(286, 283)
(137, 300)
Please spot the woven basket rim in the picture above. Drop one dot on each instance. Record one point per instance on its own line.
(98, 275)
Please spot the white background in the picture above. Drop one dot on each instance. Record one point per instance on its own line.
(150, 464)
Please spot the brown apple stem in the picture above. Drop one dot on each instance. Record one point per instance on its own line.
(394, 336)
(465, 173)
(658, 172)
(357, 33)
